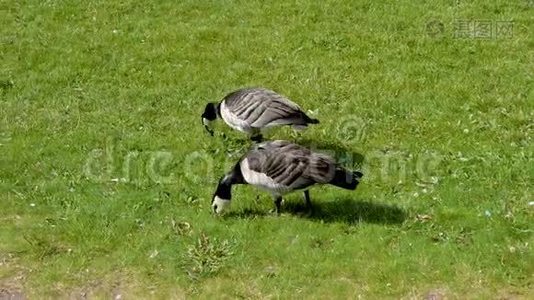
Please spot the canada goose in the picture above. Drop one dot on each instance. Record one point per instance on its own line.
(281, 167)
(252, 109)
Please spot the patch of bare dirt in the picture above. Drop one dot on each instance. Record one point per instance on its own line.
(6, 294)
(11, 287)
(436, 294)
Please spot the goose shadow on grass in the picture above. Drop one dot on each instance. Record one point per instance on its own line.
(344, 210)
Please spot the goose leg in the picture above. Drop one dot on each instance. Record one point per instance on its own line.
(256, 138)
(278, 203)
(307, 199)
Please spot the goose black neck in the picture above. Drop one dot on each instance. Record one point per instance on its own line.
(224, 188)
(236, 174)
(234, 177)
(212, 111)
(218, 109)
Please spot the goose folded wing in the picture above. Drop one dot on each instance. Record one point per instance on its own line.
(247, 104)
(278, 111)
(286, 170)
(321, 168)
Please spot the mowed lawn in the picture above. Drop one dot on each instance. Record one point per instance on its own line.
(106, 173)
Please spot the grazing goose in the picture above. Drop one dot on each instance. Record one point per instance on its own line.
(252, 109)
(281, 167)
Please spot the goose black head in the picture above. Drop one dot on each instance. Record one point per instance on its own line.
(220, 201)
(222, 196)
(209, 115)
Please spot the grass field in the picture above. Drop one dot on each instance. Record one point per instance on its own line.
(106, 173)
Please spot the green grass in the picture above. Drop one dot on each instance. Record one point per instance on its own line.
(106, 173)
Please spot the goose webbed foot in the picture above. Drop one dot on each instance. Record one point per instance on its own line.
(278, 204)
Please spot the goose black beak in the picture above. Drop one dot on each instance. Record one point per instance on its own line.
(209, 130)
(206, 122)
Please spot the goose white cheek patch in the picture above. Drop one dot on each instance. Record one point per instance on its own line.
(220, 205)
(206, 122)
